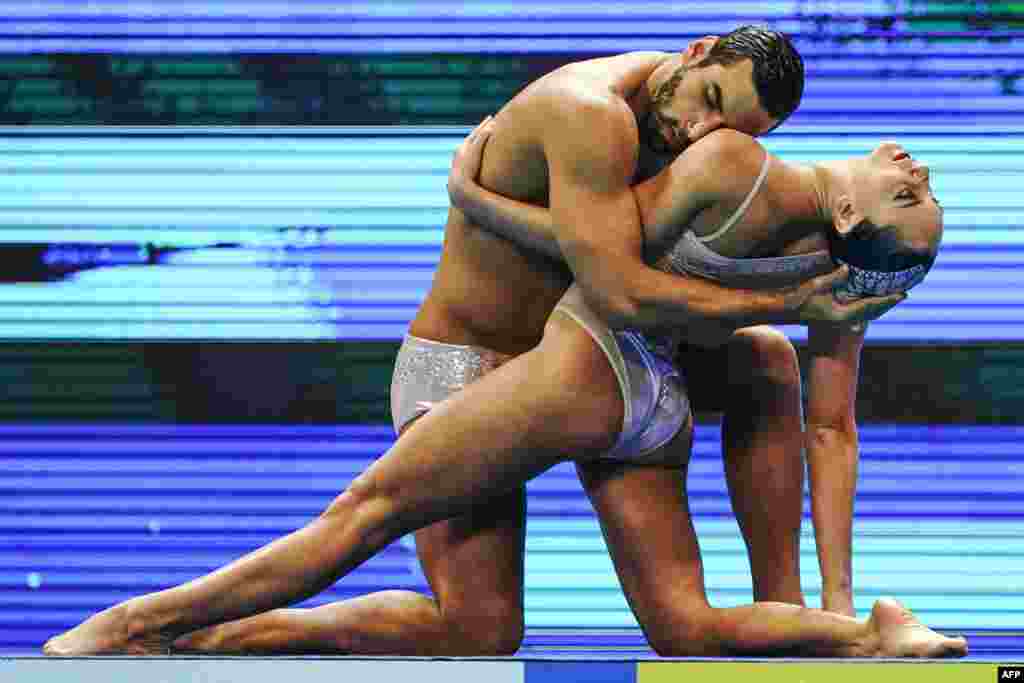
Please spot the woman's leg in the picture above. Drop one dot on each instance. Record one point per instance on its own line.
(754, 380)
(474, 564)
(499, 432)
(646, 522)
(762, 442)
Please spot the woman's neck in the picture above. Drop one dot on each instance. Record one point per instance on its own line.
(808, 200)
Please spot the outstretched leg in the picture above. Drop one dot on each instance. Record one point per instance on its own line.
(474, 564)
(484, 441)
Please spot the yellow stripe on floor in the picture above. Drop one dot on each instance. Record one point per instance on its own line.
(816, 672)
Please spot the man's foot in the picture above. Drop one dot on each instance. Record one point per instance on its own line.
(900, 634)
(111, 632)
(204, 641)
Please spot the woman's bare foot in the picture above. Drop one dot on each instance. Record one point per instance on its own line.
(110, 632)
(900, 634)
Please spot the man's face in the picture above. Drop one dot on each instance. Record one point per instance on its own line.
(695, 100)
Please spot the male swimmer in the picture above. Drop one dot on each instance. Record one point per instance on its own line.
(572, 139)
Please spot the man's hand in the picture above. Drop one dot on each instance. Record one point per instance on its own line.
(814, 302)
(466, 163)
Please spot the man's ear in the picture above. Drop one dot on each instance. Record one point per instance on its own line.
(698, 50)
(845, 216)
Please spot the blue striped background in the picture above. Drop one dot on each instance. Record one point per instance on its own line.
(95, 514)
(335, 232)
(447, 26)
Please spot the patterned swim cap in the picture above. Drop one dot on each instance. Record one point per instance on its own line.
(863, 282)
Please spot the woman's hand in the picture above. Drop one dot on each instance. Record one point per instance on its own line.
(466, 163)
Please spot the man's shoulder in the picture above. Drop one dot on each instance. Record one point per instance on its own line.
(593, 83)
(577, 99)
(592, 127)
(596, 137)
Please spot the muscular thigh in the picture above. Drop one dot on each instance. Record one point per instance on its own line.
(474, 562)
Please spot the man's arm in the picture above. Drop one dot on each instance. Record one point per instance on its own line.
(656, 299)
(832, 455)
(591, 162)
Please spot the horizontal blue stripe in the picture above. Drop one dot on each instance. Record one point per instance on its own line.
(573, 45)
(485, 13)
(366, 30)
(898, 435)
(367, 292)
(956, 561)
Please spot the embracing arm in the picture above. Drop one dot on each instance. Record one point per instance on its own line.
(527, 225)
(832, 456)
(597, 225)
(607, 235)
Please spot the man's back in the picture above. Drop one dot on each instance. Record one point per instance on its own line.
(486, 291)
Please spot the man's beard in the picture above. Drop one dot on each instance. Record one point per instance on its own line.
(652, 136)
(660, 101)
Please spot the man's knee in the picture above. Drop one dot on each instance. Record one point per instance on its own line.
(763, 354)
(487, 628)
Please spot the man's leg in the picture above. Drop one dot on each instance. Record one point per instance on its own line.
(484, 441)
(646, 523)
(762, 438)
(474, 565)
(762, 448)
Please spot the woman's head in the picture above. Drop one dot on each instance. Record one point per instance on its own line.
(887, 223)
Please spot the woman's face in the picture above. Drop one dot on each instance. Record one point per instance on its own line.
(891, 189)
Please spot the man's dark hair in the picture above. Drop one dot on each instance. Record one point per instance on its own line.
(778, 67)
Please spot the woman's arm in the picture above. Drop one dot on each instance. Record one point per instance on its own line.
(832, 455)
(527, 225)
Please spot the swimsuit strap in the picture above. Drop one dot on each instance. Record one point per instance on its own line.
(738, 214)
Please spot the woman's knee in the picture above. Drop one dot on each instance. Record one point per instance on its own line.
(766, 354)
(681, 631)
